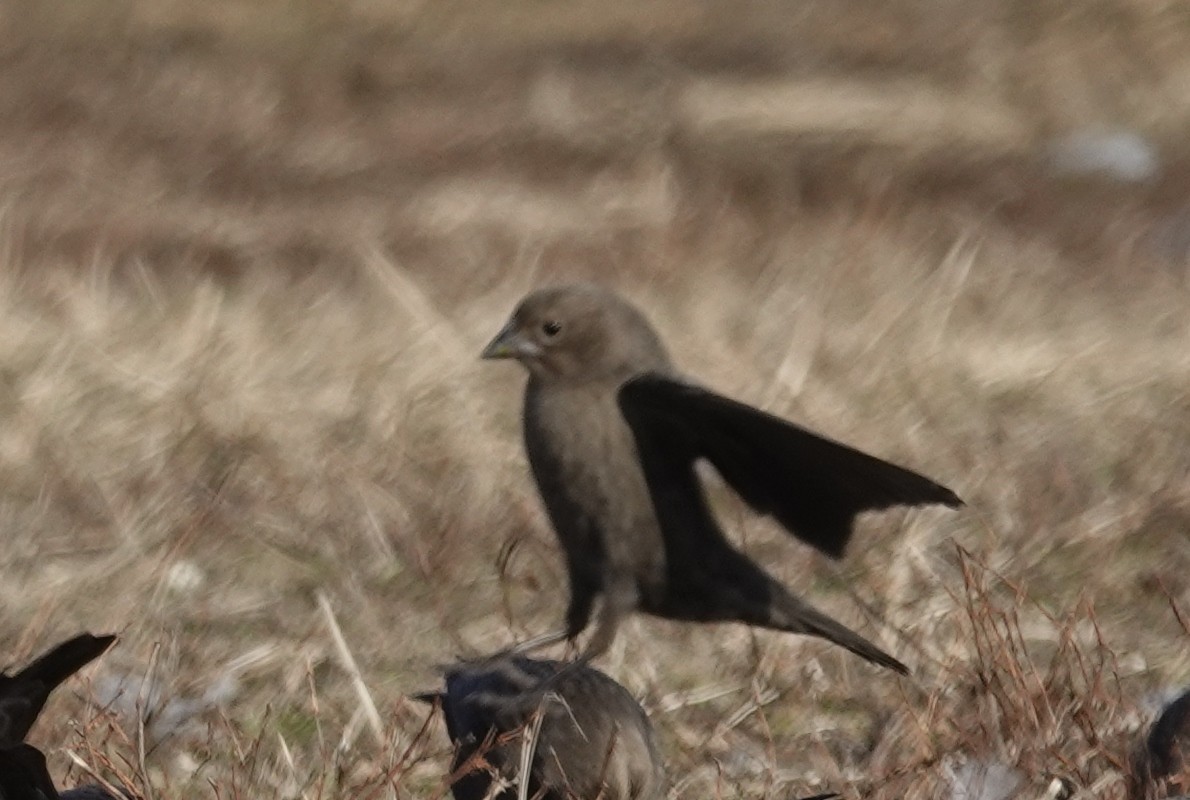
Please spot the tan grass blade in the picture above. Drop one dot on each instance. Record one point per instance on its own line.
(348, 662)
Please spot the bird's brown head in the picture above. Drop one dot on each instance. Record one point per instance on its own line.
(578, 333)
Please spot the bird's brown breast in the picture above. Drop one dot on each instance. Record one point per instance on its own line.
(585, 460)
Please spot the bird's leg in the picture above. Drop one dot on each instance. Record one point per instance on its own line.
(618, 601)
(536, 643)
(577, 616)
(601, 639)
(606, 622)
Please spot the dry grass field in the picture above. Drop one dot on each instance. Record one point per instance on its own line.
(251, 249)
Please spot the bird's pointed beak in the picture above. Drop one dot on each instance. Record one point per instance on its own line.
(509, 343)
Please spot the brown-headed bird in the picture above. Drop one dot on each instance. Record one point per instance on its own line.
(592, 739)
(613, 433)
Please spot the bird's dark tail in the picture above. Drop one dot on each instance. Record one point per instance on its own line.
(64, 660)
(788, 613)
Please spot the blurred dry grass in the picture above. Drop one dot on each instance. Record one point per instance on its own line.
(251, 250)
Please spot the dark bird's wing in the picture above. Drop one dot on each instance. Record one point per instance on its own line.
(23, 695)
(812, 485)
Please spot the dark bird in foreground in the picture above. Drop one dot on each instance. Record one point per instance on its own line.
(613, 433)
(24, 776)
(1161, 765)
(23, 695)
(23, 773)
(593, 740)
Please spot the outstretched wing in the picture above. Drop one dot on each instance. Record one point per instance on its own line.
(812, 485)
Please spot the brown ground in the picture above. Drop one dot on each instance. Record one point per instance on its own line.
(252, 248)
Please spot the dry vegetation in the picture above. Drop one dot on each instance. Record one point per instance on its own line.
(251, 250)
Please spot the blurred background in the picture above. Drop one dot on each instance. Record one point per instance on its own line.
(249, 253)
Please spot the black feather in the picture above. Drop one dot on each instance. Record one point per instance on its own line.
(812, 485)
(23, 695)
(23, 775)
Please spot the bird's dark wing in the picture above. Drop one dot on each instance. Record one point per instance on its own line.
(813, 486)
(22, 695)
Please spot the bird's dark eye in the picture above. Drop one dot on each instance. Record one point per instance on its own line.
(551, 328)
